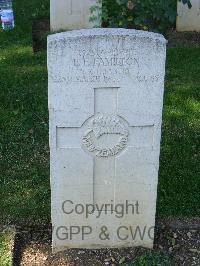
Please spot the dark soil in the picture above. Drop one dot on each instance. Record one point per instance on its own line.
(41, 28)
(183, 39)
(179, 239)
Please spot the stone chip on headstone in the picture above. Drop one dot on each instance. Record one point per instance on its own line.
(105, 105)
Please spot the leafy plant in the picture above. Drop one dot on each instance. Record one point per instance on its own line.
(5, 249)
(152, 259)
(154, 15)
(98, 12)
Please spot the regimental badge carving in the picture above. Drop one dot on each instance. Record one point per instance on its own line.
(107, 135)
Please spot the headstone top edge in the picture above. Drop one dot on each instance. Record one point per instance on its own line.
(106, 32)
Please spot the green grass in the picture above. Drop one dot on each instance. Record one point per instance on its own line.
(6, 242)
(179, 179)
(24, 155)
(24, 134)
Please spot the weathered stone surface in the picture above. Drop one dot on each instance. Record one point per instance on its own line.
(188, 19)
(105, 104)
(70, 14)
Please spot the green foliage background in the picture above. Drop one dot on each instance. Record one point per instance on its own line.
(154, 15)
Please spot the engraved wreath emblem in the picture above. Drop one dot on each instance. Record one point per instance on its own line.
(104, 124)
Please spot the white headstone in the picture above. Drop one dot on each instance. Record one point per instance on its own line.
(105, 104)
(188, 19)
(71, 14)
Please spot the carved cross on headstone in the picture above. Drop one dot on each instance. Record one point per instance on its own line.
(104, 136)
